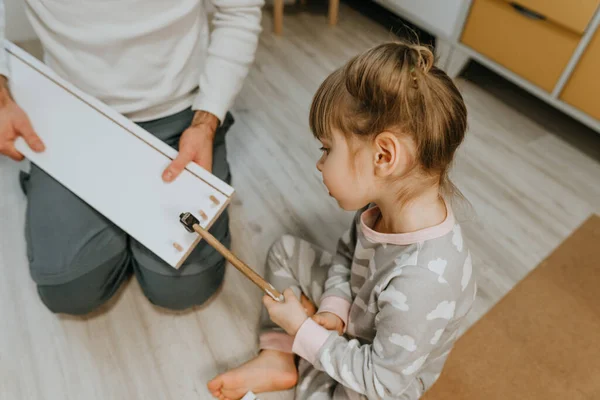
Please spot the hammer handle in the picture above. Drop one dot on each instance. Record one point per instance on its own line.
(239, 264)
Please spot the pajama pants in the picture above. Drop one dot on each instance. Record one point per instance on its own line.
(302, 266)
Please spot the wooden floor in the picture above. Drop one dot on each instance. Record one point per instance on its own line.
(529, 185)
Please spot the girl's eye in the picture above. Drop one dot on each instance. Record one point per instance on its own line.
(325, 149)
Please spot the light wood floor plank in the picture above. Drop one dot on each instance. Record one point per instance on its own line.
(529, 188)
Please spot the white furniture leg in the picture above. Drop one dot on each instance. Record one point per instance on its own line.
(443, 53)
(457, 62)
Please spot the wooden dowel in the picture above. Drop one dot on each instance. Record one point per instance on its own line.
(278, 17)
(334, 9)
(239, 264)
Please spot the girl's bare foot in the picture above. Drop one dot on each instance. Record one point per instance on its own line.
(270, 371)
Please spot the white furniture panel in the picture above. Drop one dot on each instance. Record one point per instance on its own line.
(111, 163)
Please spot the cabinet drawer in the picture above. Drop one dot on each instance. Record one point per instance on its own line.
(583, 88)
(572, 14)
(537, 50)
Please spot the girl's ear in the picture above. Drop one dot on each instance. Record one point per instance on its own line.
(391, 155)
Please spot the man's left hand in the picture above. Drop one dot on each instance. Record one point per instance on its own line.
(195, 144)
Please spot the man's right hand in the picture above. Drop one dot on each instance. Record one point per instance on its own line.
(14, 123)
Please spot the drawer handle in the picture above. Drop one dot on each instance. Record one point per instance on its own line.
(527, 12)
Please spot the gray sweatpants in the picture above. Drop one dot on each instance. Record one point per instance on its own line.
(78, 258)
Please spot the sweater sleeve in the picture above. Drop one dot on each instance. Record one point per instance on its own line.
(337, 295)
(231, 51)
(413, 311)
(3, 55)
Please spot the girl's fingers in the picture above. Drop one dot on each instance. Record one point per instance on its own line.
(323, 322)
(268, 301)
(289, 294)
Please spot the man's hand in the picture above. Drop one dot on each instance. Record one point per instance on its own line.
(196, 144)
(329, 321)
(14, 123)
(290, 315)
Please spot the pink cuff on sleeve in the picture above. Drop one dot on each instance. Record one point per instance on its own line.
(276, 341)
(309, 340)
(337, 306)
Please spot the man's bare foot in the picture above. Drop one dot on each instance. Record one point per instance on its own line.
(270, 371)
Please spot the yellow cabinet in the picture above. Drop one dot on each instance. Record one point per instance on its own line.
(530, 45)
(572, 14)
(583, 87)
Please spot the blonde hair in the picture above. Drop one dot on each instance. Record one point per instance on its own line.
(395, 86)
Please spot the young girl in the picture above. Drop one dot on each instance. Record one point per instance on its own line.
(392, 299)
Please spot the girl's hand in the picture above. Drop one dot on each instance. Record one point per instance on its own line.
(289, 315)
(329, 321)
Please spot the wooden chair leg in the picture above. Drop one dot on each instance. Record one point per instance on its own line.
(278, 17)
(334, 7)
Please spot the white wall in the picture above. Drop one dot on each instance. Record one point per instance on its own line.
(17, 27)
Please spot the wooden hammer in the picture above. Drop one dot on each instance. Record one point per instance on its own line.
(192, 224)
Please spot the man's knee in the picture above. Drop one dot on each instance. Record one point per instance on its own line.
(87, 292)
(179, 292)
(61, 301)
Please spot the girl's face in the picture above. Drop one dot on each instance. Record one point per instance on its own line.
(347, 172)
